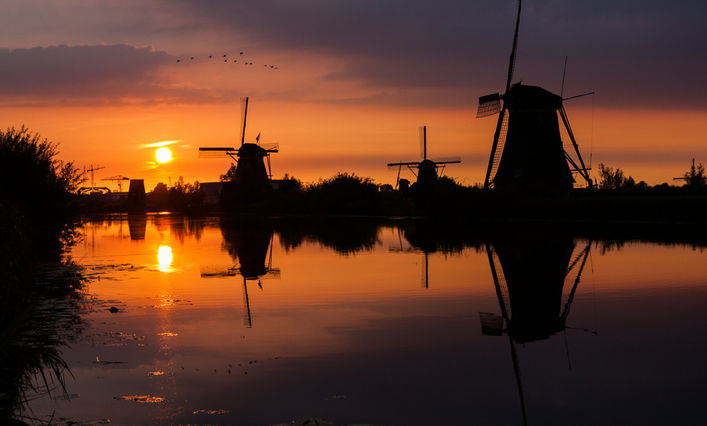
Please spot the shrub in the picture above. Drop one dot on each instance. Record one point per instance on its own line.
(40, 187)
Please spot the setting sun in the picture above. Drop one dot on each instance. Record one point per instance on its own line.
(163, 155)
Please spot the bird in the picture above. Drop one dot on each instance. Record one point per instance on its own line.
(177, 60)
(235, 60)
(241, 53)
(192, 57)
(209, 56)
(224, 56)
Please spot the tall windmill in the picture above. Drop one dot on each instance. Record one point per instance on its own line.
(250, 157)
(426, 169)
(527, 150)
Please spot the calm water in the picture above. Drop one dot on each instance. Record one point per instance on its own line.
(234, 323)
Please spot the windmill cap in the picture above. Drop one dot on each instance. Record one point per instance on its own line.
(251, 150)
(531, 97)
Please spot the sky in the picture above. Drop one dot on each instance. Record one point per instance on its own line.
(343, 86)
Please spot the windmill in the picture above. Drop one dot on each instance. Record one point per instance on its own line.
(250, 157)
(250, 244)
(527, 150)
(426, 169)
(529, 277)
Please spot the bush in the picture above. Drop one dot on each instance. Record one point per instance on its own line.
(614, 179)
(695, 177)
(39, 187)
(344, 193)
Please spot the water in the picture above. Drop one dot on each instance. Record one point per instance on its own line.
(352, 323)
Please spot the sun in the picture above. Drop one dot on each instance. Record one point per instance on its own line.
(163, 155)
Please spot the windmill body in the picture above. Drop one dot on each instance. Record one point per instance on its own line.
(533, 154)
(250, 167)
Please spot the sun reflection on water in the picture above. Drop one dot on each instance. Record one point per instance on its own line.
(164, 258)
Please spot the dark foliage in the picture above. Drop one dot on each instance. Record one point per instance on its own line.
(695, 177)
(39, 188)
(180, 197)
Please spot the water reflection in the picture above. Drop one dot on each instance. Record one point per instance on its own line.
(529, 274)
(249, 241)
(36, 322)
(164, 258)
(137, 223)
(345, 327)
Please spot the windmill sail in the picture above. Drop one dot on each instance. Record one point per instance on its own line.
(489, 105)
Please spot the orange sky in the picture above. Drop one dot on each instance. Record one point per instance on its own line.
(318, 140)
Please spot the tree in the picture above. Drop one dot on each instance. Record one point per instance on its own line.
(610, 178)
(230, 174)
(39, 187)
(695, 177)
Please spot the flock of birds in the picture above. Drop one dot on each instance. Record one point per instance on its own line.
(226, 59)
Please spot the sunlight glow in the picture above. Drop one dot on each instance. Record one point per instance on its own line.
(164, 258)
(163, 155)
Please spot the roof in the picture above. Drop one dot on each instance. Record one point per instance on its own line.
(531, 97)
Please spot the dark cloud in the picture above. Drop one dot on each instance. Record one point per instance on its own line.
(82, 72)
(635, 52)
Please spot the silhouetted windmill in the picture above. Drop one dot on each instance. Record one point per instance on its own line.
(252, 249)
(426, 169)
(527, 150)
(250, 158)
(529, 276)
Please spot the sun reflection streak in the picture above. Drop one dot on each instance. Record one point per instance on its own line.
(164, 258)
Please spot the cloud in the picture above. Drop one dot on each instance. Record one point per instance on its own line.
(158, 144)
(634, 52)
(106, 74)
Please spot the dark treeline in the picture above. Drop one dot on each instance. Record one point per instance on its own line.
(41, 289)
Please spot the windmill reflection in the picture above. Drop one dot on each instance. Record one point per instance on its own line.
(529, 276)
(250, 244)
(425, 273)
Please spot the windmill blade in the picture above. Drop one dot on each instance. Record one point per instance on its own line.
(244, 117)
(489, 105)
(447, 160)
(408, 163)
(270, 147)
(213, 271)
(212, 152)
(273, 274)
(423, 142)
(512, 63)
